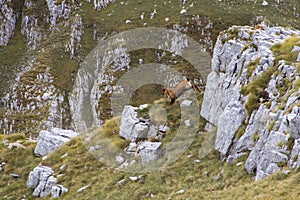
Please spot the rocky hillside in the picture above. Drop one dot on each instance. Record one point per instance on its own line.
(43, 44)
(252, 97)
(249, 124)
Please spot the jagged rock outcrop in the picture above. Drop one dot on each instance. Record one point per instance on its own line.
(8, 21)
(42, 180)
(134, 128)
(252, 97)
(49, 141)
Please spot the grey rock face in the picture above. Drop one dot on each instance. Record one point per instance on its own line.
(42, 180)
(230, 121)
(49, 141)
(7, 22)
(270, 132)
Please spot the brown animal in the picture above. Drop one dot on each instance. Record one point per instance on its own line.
(174, 93)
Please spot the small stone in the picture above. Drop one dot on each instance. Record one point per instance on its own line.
(180, 191)
(167, 19)
(91, 149)
(58, 190)
(128, 21)
(141, 107)
(239, 164)
(120, 159)
(206, 173)
(296, 49)
(2, 165)
(187, 123)
(186, 103)
(98, 146)
(265, 3)
(15, 175)
(133, 178)
(163, 128)
(62, 168)
(120, 183)
(44, 157)
(65, 155)
(183, 11)
(197, 161)
(287, 172)
(83, 188)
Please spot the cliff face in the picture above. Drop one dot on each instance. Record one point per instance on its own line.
(252, 97)
(7, 22)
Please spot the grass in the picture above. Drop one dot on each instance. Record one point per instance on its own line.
(284, 51)
(197, 179)
(255, 87)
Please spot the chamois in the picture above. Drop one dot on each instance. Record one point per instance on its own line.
(174, 93)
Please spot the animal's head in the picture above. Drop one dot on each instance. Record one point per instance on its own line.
(165, 91)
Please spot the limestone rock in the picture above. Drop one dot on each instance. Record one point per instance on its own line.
(42, 180)
(271, 131)
(230, 121)
(133, 128)
(151, 151)
(49, 141)
(8, 21)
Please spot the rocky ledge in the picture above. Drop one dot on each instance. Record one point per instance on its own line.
(252, 97)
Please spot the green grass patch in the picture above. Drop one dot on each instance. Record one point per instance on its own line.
(284, 51)
(255, 87)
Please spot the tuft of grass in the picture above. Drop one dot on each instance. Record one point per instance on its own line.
(257, 85)
(255, 137)
(284, 51)
(240, 132)
(252, 66)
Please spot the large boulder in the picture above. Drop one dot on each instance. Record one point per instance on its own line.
(134, 128)
(131, 127)
(49, 141)
(151, 151)
(42, 180)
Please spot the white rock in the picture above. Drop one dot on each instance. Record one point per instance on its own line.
(186, 103)
(83, 188)
(141, 107)
(180, 191)
(133, 178)
(151, 151)
(183, 11)
(265, 3)
(49, 141)
(128, 21)
(120, 159)
(167, 19)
